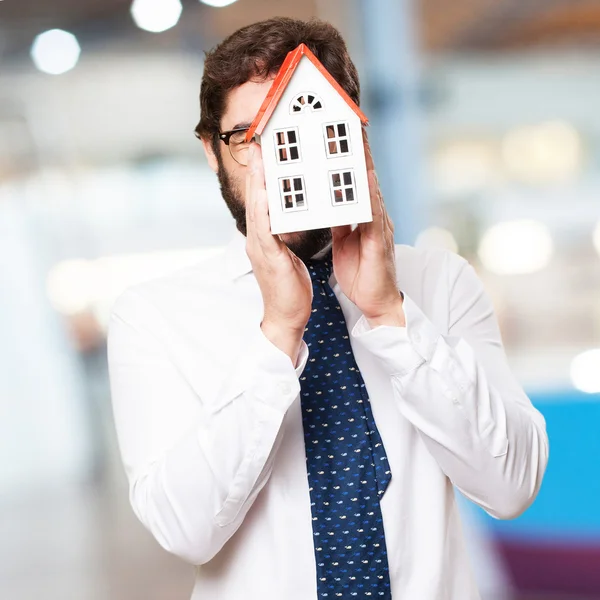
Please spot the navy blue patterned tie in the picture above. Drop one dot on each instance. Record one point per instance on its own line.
(347, 467)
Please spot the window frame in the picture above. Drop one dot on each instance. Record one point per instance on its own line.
(316, 100)
(343, 187)
(292, 193)
(337, 139)
(287, 145)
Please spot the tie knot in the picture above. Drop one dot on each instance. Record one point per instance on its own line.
(320, 268)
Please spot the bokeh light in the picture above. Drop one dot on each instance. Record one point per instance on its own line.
(516, 247)
(156, 15)
(596, 238)
(77, 285)
(585, 371)
(436, 237)
(218, 3)
(465, 166)
(550, 152)
(55, 51)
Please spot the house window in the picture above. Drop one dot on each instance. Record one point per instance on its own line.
(293, 194)
(306, 101)
(343, 187)
(337, 139)
(287, 145)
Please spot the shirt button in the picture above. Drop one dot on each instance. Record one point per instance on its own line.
(285, 388)
(452, 396)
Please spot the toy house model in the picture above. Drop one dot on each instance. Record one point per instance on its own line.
(310, 133)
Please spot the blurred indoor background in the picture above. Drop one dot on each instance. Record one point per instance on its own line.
(485, 123)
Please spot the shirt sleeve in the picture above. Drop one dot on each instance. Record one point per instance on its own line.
(459, 393)
(194, 471)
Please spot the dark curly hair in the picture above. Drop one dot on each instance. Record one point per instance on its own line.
(257, 51)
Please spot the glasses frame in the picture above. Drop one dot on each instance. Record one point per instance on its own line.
(225, 137)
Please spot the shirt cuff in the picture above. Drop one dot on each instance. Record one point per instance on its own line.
(266, 373)
(400, 350)
(273, 378)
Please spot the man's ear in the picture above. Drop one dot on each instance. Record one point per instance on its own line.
(210, 155)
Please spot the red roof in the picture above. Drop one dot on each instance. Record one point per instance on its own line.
(287, 69)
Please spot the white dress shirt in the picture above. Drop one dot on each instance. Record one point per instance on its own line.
(209, 424)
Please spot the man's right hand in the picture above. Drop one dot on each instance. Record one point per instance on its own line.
(282, 277)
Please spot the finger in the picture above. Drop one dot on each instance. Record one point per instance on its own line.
(376, 201)
(374, 191)
(269, 242)
(368, 153)
(388, 221)
(381, 219)
(340, 233)
(258, 202)
(250, 196)
(255, 181)
(388, 230)
(374, 229)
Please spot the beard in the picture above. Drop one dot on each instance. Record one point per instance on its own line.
(304, 244)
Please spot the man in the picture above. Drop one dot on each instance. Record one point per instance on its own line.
(296, 432)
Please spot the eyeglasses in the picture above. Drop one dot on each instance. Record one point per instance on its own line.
(238, 147)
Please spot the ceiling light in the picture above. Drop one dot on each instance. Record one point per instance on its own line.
(516, 247)
(55, 51)
(156, 15)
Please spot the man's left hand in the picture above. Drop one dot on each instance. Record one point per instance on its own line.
(364, 260)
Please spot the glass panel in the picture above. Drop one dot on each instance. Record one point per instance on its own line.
(280, 138)
(283, 154)
(333, 147)
(292, 136)
(347, 178)
(286, 185)
(240, 153)
(288, 202)
(297, 108)
(310, 99)
(344, 146)
(342, 129)
(335, 178)
(317, 105)
(349, 195)
(338, 195)
(294, 153)
(297, 183)
(330, 131)
(299, 199)
(237, 138)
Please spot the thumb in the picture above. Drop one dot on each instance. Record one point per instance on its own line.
(340, 233)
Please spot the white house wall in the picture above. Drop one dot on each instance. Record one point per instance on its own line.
(314, 166)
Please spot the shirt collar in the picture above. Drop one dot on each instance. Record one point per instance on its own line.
(238, 263)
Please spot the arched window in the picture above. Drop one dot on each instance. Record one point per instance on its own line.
(306, 100)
